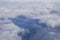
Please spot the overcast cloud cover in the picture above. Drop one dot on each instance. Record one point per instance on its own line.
(47, 11)
(32, 0)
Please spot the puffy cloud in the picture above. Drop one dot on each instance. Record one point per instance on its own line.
(41, 11)
(35, 30)
(9, 31)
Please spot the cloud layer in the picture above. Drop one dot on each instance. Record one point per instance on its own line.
(46, 13)
(31, 0)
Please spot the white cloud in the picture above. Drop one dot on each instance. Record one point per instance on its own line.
(40, 11)
(31, 0)
(9, 31)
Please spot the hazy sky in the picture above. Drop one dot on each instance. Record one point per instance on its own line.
(32, 0)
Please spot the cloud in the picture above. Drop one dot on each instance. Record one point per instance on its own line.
(35, 30)
(40, 11)
(9, 31)
(31, 0)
